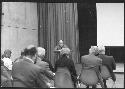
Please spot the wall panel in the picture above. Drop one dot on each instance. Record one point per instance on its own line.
(19, 26)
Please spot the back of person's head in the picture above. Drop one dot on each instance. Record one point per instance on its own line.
(64, 56)
(93, 50)
(65, 51)
(101, 49)
(30, 51)
(7, 53)
(40, 51)
(22, 53)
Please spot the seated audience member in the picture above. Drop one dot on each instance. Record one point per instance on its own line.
(43, 64)
(7, 61)
(90, 73)
(109, 62)
(41, 57)
(65, 73)
(6, 81)
(27, 74)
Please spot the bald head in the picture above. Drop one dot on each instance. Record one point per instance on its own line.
(61, 43)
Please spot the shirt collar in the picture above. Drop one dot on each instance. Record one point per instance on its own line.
(29, 59)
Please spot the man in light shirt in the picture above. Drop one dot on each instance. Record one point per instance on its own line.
(7, 61)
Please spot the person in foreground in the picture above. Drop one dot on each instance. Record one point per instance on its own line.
(6, 81)
(90, 74)
(109, 62)
(27, 74)
(65, 73)
(7, 61)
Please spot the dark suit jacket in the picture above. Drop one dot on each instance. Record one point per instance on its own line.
(50, 65)
(27, 74)
(110, 63)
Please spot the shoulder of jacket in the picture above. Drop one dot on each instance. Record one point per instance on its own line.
(84, 56)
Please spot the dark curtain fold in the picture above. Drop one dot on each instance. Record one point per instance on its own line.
(58, 21)
(87, 24)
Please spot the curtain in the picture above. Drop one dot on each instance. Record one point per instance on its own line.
(58, 21)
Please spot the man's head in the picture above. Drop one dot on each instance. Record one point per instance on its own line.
(40, 52)
(7, 53)
(101, 49)
(30, 52)
(61, 43)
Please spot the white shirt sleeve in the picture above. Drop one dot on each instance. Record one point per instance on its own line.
(8, 63)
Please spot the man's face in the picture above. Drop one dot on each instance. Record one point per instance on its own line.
(61, 44)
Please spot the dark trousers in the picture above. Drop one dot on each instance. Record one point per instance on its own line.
(104, 81)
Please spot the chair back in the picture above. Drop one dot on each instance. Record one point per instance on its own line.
(63, 78)
(105, 72)
(89, 76)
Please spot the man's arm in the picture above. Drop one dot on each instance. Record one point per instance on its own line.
(113, 64)
(41, 81)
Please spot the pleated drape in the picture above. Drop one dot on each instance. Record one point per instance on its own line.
(58, 21)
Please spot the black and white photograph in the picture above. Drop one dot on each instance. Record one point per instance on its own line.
(62, 44)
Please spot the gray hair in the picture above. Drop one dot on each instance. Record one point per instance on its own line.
(93, 50)
(65, 51)
(41, 51)
(101, 49)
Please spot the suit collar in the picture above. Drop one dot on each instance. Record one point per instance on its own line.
(28, 60)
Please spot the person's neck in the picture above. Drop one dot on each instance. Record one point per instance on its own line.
(91, 54)
(30, 58)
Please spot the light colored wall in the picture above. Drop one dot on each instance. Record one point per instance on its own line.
(19, 26)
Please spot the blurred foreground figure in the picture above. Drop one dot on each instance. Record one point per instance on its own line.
(7, 61)
(6, 81)
(90, 73)
(108, 65)
(27, 74)
(48, 74)
(65, 73)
